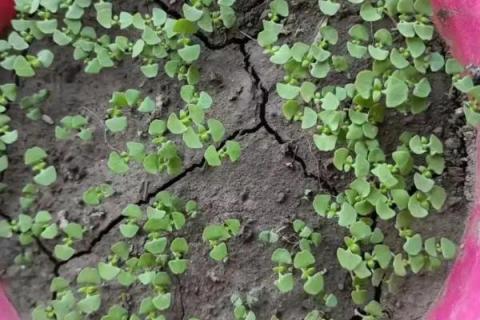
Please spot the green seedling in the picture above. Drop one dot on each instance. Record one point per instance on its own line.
(73, 126)
(72, 232)
(35, 158)
(399, 186)
(31, 104)
(217, 235)
(94, 196)
(209, 15)
(240, 310)
(131, 99)
(231, 150)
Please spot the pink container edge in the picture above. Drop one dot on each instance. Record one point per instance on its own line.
(460, 296)
(7, 310)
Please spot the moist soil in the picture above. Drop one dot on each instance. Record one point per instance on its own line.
(265, 190)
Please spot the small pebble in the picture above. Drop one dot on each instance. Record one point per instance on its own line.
(281, 197)
(47, 119)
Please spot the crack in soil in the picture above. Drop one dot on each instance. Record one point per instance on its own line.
(261, 107)
(264, 99)
(143, 201)
(180, 298)
(244, 39)
(261, 93)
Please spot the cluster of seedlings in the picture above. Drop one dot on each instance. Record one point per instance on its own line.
(392, 40)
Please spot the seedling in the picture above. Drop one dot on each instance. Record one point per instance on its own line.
(116, 119)
(73, 126)
(217, 235)
(241, 311)
(35, 158)
(95, 195)
(8, 93)
(72, 232)
(31, 104)
(268, 236)
(344, 120)
(231, 150)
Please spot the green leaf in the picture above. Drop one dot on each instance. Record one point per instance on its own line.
(396, 92)
(423, 183)
(285, 282)
(330, 102)
(385, 176)
(116, 124)
(282, 55)
(325, 142)
(329, 8)
(104, 14)
(159, 17)
(227, 15)
(46, 177)
(383, 255)
(287, 91)
(413, 245)
(383, 210)
(17, 42)
(422, 88)
(184, 26)
(431, 247)
(178, 266)
(34, 155)
(22, 67)
(63, 252)
(309, 118)
(280, 7)
(233, 150)
(179, 245)
(150, 70)
(147, 105)
(129, 230)
(116, 163)
(5, 229)
(437, 197)
(50, 232)
(364, 83)
(214, 232)
(399, 265)
(400, 198)
(156, 246)
(219, 252)
(216, 129)
(212, 157)
(347, 215)
(107, 271)
(175, 125)
(314, 284)
(191, 13)
(360, 230)
(90, 304)
(45, 57)
(415, 207)
(449, 249)
(303, 259)
(291, 107)
(190, 53)
(282, 256)
(370, 13)
(347, 259)
(192, 139)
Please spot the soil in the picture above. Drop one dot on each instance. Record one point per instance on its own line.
(264, 190)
